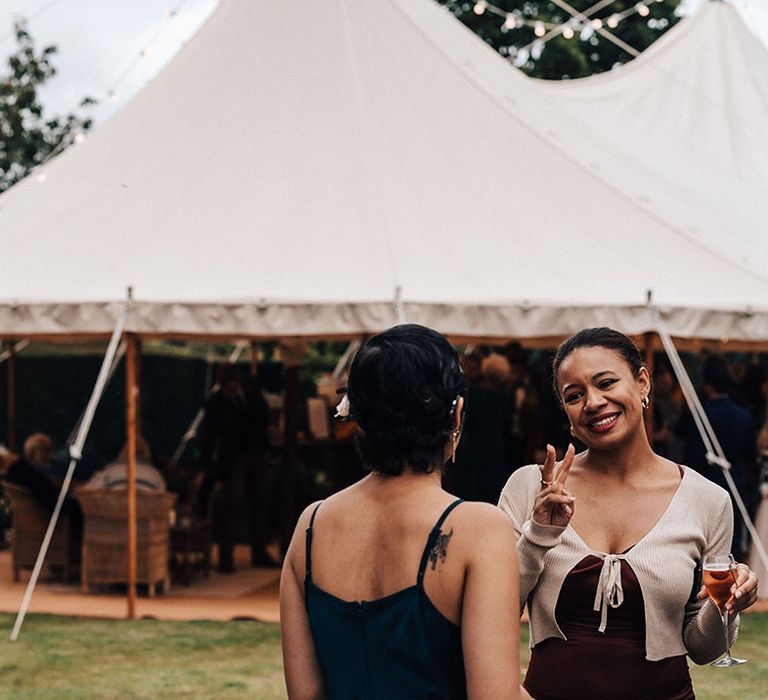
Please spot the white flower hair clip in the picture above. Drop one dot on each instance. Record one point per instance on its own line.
(342, 410)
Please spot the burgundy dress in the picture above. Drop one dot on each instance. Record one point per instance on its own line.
(602, 666)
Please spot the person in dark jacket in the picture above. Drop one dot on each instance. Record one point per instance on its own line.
(29, 471)
(232, 446)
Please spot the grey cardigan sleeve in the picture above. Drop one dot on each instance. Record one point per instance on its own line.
(702, 626)
(533, 540)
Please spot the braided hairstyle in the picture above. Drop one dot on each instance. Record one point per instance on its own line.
(404, 386)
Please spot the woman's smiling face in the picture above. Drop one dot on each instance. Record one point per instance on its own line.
(602, 396)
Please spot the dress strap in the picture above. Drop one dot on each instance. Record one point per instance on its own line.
(308, 559)
(432, 539)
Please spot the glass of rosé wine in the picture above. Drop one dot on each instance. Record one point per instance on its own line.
(719, 577)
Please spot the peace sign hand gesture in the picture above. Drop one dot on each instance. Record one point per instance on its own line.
(554, 505)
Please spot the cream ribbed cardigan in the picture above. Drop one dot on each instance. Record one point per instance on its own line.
(698, 521)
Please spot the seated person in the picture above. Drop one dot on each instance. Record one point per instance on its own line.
(114, 475)
(29, 471)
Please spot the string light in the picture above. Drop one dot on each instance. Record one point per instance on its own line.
(544, 31)
(80, 137)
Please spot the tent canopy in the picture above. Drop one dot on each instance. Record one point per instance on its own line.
(299, 166)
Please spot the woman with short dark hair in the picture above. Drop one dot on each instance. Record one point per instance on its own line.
(610, 566)
(393, 588)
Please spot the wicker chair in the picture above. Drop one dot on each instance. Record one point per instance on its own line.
(105, 534)
(30, 522)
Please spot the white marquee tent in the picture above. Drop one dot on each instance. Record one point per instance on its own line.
(300, 166)
(683, 129)
(328, 169)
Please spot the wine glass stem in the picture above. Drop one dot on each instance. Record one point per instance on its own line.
(724, 616)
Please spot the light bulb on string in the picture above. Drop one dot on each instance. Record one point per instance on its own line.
(597, 23)
(642, 10)
(41, 177)
(480, 7)
(510, 22)
(613, 21)
(79, 138)
(568, 33)
(538, 29)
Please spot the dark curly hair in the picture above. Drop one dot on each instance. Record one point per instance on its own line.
(404, 386)
(602, 337)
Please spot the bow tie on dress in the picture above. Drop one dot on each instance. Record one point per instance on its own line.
(609, 590)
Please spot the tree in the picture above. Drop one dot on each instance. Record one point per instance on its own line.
(27, 137)
(510, 26)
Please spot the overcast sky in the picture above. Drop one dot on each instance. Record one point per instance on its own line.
(100, 42)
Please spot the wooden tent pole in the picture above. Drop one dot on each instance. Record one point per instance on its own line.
(131, 415)
(139, 383)
(12, 396)
(288, 500)
(254, 358)
(649, 343)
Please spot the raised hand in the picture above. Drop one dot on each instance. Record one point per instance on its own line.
(554, 505)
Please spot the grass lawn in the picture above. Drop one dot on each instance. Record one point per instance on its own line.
(66, 658)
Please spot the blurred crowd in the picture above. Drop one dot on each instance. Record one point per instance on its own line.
(513, 412)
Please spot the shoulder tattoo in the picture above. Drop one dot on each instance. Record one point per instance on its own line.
(439, 549)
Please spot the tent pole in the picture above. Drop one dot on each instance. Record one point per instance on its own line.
(75, 452)
(648, 343)
(12, 396)
(714, 451)
(139, 383)
(131, 415)
(290, 407)
(255, 348)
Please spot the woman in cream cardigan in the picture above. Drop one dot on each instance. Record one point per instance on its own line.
(611, 542)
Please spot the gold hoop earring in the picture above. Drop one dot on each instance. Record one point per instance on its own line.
(645, 402)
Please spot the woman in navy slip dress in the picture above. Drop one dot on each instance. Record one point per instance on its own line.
(392, 588)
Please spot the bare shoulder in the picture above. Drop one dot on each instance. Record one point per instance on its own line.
(306, 515)
(296, 554)
(482, 520)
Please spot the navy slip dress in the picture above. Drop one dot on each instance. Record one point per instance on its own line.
(399, 646)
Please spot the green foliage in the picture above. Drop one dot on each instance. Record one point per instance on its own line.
(584, 54)
(27, 136)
